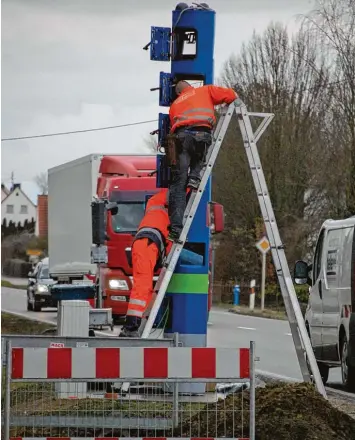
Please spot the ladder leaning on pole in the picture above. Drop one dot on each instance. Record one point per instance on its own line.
(299, 332)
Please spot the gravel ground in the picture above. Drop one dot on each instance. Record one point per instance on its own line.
(342, 405)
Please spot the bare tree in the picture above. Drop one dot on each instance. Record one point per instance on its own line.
(152, 143)
(42, 182)
(332, 25)
(289, 77)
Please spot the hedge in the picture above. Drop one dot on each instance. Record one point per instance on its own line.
(302, 292)
(16, 268)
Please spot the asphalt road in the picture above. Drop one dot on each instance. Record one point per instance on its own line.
(273, 340)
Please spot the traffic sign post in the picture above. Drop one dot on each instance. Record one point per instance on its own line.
(263, 246)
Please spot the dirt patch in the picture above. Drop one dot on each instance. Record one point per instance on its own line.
(16, 325)
(285, 412)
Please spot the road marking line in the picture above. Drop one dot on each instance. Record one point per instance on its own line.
(288, 334)
(247, 328)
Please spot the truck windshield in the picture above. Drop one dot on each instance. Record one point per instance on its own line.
(128, 217)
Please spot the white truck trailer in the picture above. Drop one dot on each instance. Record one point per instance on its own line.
(71, 189)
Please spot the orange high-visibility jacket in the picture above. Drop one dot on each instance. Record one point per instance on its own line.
(195, 106)
(155, 222)
(156, 213)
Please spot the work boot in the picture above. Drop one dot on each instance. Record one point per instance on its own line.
(130, 327)
(193, 183)
(127, 333)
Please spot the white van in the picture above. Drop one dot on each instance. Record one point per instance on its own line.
(330, 315)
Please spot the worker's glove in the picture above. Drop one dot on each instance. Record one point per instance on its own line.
(238, 102)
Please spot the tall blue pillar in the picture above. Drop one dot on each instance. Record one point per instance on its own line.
(189, 46)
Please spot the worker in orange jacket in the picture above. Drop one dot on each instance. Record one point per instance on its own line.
(148, 252)
(192, 119)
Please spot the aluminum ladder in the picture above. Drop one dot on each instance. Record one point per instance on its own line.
(299, 332)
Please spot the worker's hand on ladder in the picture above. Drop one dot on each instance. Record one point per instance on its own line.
(238, 102)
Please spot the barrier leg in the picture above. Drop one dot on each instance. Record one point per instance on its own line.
(176, 392)
(252, 392)
(8, 369)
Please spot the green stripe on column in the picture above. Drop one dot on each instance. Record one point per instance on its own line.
(188, 283)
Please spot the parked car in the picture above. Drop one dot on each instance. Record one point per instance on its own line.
(38, 292)
(330, 315)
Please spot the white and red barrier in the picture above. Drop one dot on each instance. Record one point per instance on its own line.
(130, 363)
(124, 438)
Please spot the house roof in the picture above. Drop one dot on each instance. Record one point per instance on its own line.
(5, 189)
(21, 190)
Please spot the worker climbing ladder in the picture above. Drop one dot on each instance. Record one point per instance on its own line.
(193, 26)
(299, 333)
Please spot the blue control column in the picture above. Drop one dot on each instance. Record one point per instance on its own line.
(189, 47)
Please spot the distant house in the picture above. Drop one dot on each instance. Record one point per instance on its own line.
(16, 207)
(4, 192)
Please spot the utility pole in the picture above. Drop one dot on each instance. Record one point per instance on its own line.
(12, 180)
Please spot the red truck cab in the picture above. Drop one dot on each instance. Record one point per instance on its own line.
(130, 181)
(127, 180)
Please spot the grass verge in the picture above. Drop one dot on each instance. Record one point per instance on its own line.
(5, 283)
(16, 325)
(267, 313)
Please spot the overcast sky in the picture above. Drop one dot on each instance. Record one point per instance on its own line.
(77, 64)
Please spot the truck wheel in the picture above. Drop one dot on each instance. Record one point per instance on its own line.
(323, 369)
(37, 307)
(351, 378)
(324, 372)
(347, 371)
(29, 304)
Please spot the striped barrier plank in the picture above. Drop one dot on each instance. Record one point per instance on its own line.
(126, 438)
(130, 363)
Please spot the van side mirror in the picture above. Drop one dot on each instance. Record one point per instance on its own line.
(215, 217)
(301, 273)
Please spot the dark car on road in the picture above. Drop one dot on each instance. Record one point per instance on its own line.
(38, 288)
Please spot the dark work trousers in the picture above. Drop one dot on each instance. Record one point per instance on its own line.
(192, 146)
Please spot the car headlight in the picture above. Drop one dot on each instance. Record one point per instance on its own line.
(42, 288)
(118, 284)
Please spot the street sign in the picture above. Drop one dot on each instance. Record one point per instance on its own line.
(34, 252)
(263, 245)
